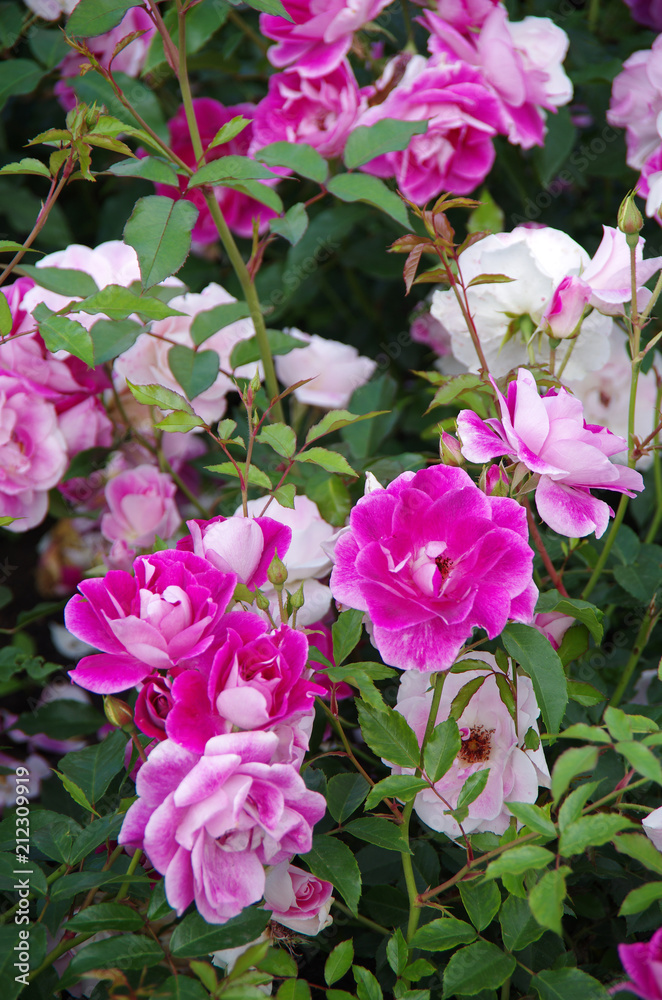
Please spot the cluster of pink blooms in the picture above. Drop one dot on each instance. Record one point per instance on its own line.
(227, 701)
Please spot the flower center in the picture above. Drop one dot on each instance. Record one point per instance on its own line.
(444, 565)
(476, 744)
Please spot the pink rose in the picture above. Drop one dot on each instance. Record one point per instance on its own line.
(463, 15)
(320, 34)
(551, 438)
(165, 616)
(85, 425)
(210, 823)
(456, 152)
(256, 680)
(130, 60)
(429, 559)
(646, 12)
(636, 102)
(336, 370)
(142, 505)
(297, 899)
(565, 309)
(320, 111)
(33, 452)
(425, 329)
(489, 741)
(153, 706)
(553, 625)
(241, 545)
(238, 209)
(643, 964)
(608, 273)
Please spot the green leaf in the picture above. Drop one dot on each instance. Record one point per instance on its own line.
(54, 835)
(334, 420)
(518, 860)
(639, 847)
(269, 7)
(95, 17)
(386, 136)
(206, 324)
(518, 927)
(258, 191)
(559, 142)
(580, 731)
(110, 338)
(367, 987)
(481, 900)
(293, 224)
(119, 302)
(256, 477)
(248, 351)
(575, 802)
(618, 723)
(193, 936)
(582, 611)
(300, 157)
(105, 917)
(568, 984)
(363, 187)
(6, 318)
(9, 868)
(443, 934)
(642, 759)
(18, 76)
(12, 246)
(478, 967)
(277, 962)
(403, 787)
(472, 788)
(76, 793)
(397, 952)
(591, 831)
(28, 165)
(93, 768)
(62, 334)
(546, 899)
(346, 633)
(333, 861)
(281, 438)
(339, 962)
(180, 988)
(230, 168)
(195, 371)
(158, 395)
(179, 422)
(96, 833)
(584, 694)
(331, 461)
(285, 495)
(159, 230)
(333, 499)
(128, 951)
(569, 765)
(9, 940)
(151, 168)
(640, 899)
(381, 832)
(292, 989)
(540, 661)
(345, 793)
(464, 696)
(61, 719)
(536, 818)
(389, 736)
(229, 131)
(442, 749)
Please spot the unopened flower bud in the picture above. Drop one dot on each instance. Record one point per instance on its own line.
(261, 600)
(450, 451)
(630, 220)
(494, 481)
(297, 598)
(277, 572)
(117, 711)
(371, 484)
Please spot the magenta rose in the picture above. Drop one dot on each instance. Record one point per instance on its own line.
(550, 437)
(643, 964)
(210, 823)
(241, 545)
(256, 681)
(163, 617)
(238, 209)
(429, 559)
(320, 111)
(463, 114)
(153, 705)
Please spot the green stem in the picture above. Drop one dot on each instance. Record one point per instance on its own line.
(361, 919)
(409, 28)
(410, 881)
(635, 655)
(606, 549)
(258, 40)
(179, 482)
(61, 949)
(657, 476)
(133, 864)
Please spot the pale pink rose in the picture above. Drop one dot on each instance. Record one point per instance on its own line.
(147, 360)
(489, 742)
(336, 370)
(520, 61)
(141, 506)
(652, 825)
(211, 823)
(297, 899)
(636, 102)
(33, 453)
(130, 60)
(50, 10)
(241, 545)
(320, 33)
(650, 184)
(456, 152)
(553, 625)
(320, 111)
(239, 210)
(86, 425)
(566, 308)
(608, 273)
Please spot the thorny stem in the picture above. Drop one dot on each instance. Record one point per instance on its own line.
(542, 551)
(470, 865)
